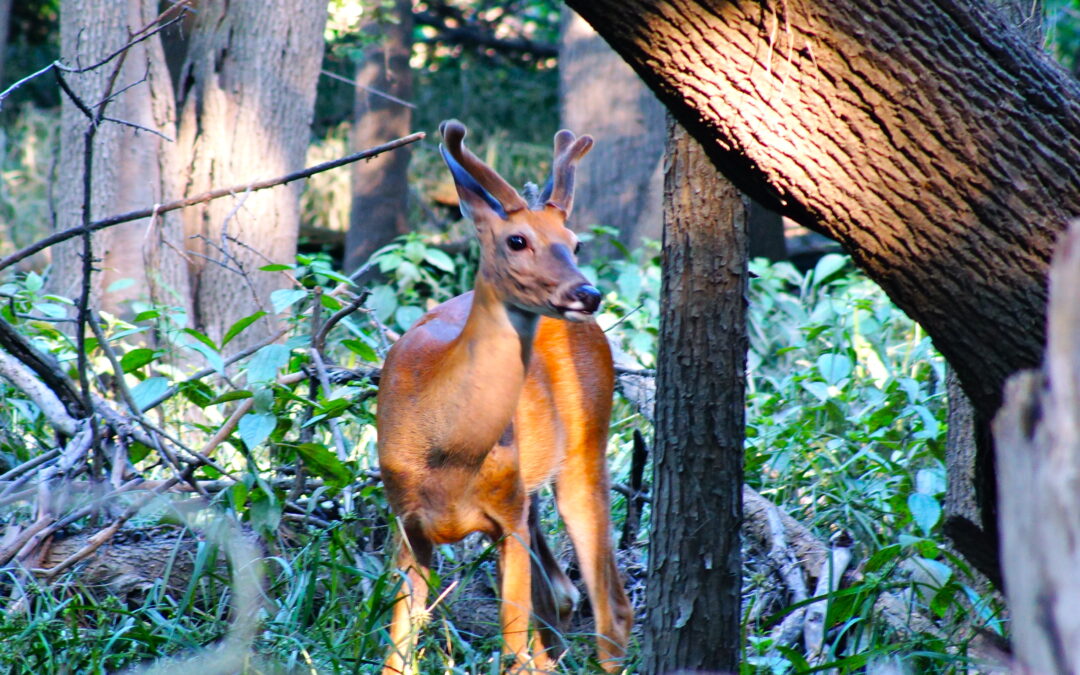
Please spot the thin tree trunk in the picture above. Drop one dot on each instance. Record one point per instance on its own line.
(5, 22)
(131, 168)
(926, 136)
(622, 183)
(380, 185)
(247, 95)
(694, 569)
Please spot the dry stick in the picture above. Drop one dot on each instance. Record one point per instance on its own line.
(129, 400)
(205, 197)
(783, 560)
(98, 540)
(832, 572)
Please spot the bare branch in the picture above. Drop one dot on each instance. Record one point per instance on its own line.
(205, 197)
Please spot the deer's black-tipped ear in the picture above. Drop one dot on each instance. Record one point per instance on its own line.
(472, 197)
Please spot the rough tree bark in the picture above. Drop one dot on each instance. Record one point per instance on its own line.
(247, 95)
(694, 563)
(622, 183)
(380, 185)
(132, 168)
(970, 515)
(1037, 434)
(926, 136)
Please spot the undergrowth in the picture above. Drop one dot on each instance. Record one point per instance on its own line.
(845, 424)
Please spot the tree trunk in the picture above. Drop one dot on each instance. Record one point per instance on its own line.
(694, 566)
(131, 168)
(970, 517)
(1037, 434)
(380, 185)
(622, 183)
(5, 22)
(247, 96)
(926, 136)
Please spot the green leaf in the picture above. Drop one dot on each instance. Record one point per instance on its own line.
(136, 358)
(148, 391)
(198, 392)
(147, 315)
(232, 396)
(255, 428)
(330, 302)
(325, 464)
(283, 298)
(201, 337)
(33, 282)
(276, 267)
(885, 555)
(925, 510)
(439, 260)
(384, 302)
(415, 251)
(213, 358)
(362, 349)
(264, 366)
(407, 316)
(834, 368)
(828, 267)
(240, 325)
(137, 451)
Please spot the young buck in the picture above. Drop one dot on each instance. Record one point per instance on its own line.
(494, 394)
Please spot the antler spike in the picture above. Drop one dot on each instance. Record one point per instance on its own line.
(453, 133)
(568, 150)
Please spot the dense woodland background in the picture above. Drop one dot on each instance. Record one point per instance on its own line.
(187, 465)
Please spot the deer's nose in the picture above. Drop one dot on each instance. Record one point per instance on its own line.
(589, 297)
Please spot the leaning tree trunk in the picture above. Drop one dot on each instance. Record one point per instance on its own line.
(694, 564)
(380, 185)
(1038, 435)
(247, 96)
(131, 168)
(926, 136)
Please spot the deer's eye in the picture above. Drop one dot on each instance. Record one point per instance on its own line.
(516, 242)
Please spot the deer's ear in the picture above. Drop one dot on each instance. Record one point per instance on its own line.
(472, 197)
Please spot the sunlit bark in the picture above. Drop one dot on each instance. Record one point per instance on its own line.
(247, 94)
(926, 136)
(132, 169)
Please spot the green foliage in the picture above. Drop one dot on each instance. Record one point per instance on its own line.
(845, 430)
(28, 149)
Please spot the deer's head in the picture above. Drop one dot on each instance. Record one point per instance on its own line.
(529, 256)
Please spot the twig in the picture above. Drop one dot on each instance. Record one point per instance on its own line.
(205, 197)
(319, 341)
(370, 90)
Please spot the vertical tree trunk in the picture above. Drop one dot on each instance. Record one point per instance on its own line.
(694, 569)
(5, 22)
(380, 185)
(131, 169)
(1037, 434)
(247, 96)
(622, 183)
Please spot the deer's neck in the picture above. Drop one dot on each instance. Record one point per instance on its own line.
(489, 362)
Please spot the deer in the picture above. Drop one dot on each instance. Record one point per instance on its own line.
(494, 394)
